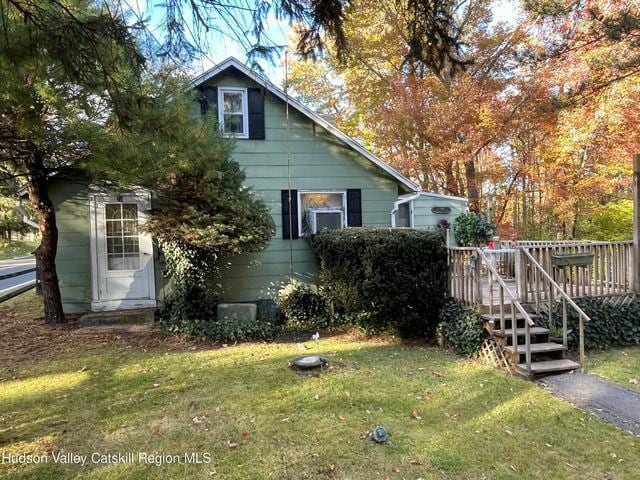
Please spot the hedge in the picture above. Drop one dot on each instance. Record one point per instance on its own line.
(303, 305)
(384, 279)
(610, 325)
(462, 327)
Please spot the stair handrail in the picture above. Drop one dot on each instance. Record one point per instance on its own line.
(515, 304)
(566, 299)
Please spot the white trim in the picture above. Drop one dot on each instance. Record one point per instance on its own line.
(440, 195)
(110, 305)
(396, 206)
(143, 199)
(245, 111)
(345, 220)
(233, 62)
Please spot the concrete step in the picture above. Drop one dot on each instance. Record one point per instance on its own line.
(138, 316)
(546, 347)
(548, 366)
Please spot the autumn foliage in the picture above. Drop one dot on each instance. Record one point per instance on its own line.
(539, 128)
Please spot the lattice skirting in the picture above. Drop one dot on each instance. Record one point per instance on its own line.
(491, 354)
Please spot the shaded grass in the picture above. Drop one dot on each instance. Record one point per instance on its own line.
(16, 249)
(475, 422)
(618, 365)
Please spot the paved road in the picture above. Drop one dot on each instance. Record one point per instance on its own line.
(609, 401)
(16, 265)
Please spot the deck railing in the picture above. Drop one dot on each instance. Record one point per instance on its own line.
(526, 275)
(547, 293)
(608, 274)
(469, 269)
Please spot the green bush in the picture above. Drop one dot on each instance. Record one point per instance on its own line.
(384, 279)
(303, 305)
(264, 327)
(462, 327)
(472, 230)
(610, 325)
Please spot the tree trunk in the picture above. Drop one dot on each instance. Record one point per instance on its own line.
(46, 253)
(472, 186)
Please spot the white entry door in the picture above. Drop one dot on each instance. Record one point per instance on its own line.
(123, 274)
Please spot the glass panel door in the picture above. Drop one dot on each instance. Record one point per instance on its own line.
(123, 243)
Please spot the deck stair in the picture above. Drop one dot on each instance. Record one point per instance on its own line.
(512, 317)
(547, 357)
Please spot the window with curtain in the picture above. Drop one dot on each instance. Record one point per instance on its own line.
(232, 111)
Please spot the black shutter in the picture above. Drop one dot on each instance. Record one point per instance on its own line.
(256, 113)
(354, 207)
(208, 99)
(289, 219)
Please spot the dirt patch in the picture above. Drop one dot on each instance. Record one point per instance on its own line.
(24, 335)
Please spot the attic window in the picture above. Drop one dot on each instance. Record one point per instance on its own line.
(232, 111)
(441, 210)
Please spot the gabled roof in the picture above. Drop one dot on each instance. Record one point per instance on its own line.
(314, 117)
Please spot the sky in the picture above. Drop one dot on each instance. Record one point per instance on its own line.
(222, 46)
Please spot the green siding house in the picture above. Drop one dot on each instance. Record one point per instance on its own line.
(310, 174)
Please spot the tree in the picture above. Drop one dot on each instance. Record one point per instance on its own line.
(438, 123)
(57, 91)
(94, 110)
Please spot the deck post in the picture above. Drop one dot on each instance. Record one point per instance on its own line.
(635, 257)
(520, 274)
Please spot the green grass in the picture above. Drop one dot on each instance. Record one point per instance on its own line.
(618, 365)
(16, 249)
(475, 422)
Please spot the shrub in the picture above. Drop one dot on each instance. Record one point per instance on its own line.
(472, 230)
(462, 327)
(303, 305)
(191, 304)
(384, 279)
(610, 325)
(225, 330)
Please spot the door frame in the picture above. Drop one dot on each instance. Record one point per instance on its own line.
(97, 197)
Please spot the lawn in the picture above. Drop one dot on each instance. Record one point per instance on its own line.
(620, 365)
(73, 390)
(16, 249)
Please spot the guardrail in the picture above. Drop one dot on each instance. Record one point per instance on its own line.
(17, 274)
(16, 290)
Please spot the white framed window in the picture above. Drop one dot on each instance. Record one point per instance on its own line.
(233, 112)
(319, 210)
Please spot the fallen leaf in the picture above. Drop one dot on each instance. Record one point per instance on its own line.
(341, 418)
(245, 434)
(437, 374)
(231, 444)
(157, 432)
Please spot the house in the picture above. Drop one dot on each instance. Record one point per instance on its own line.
(310, 174)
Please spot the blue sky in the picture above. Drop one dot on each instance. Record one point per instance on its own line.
(221, 46)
